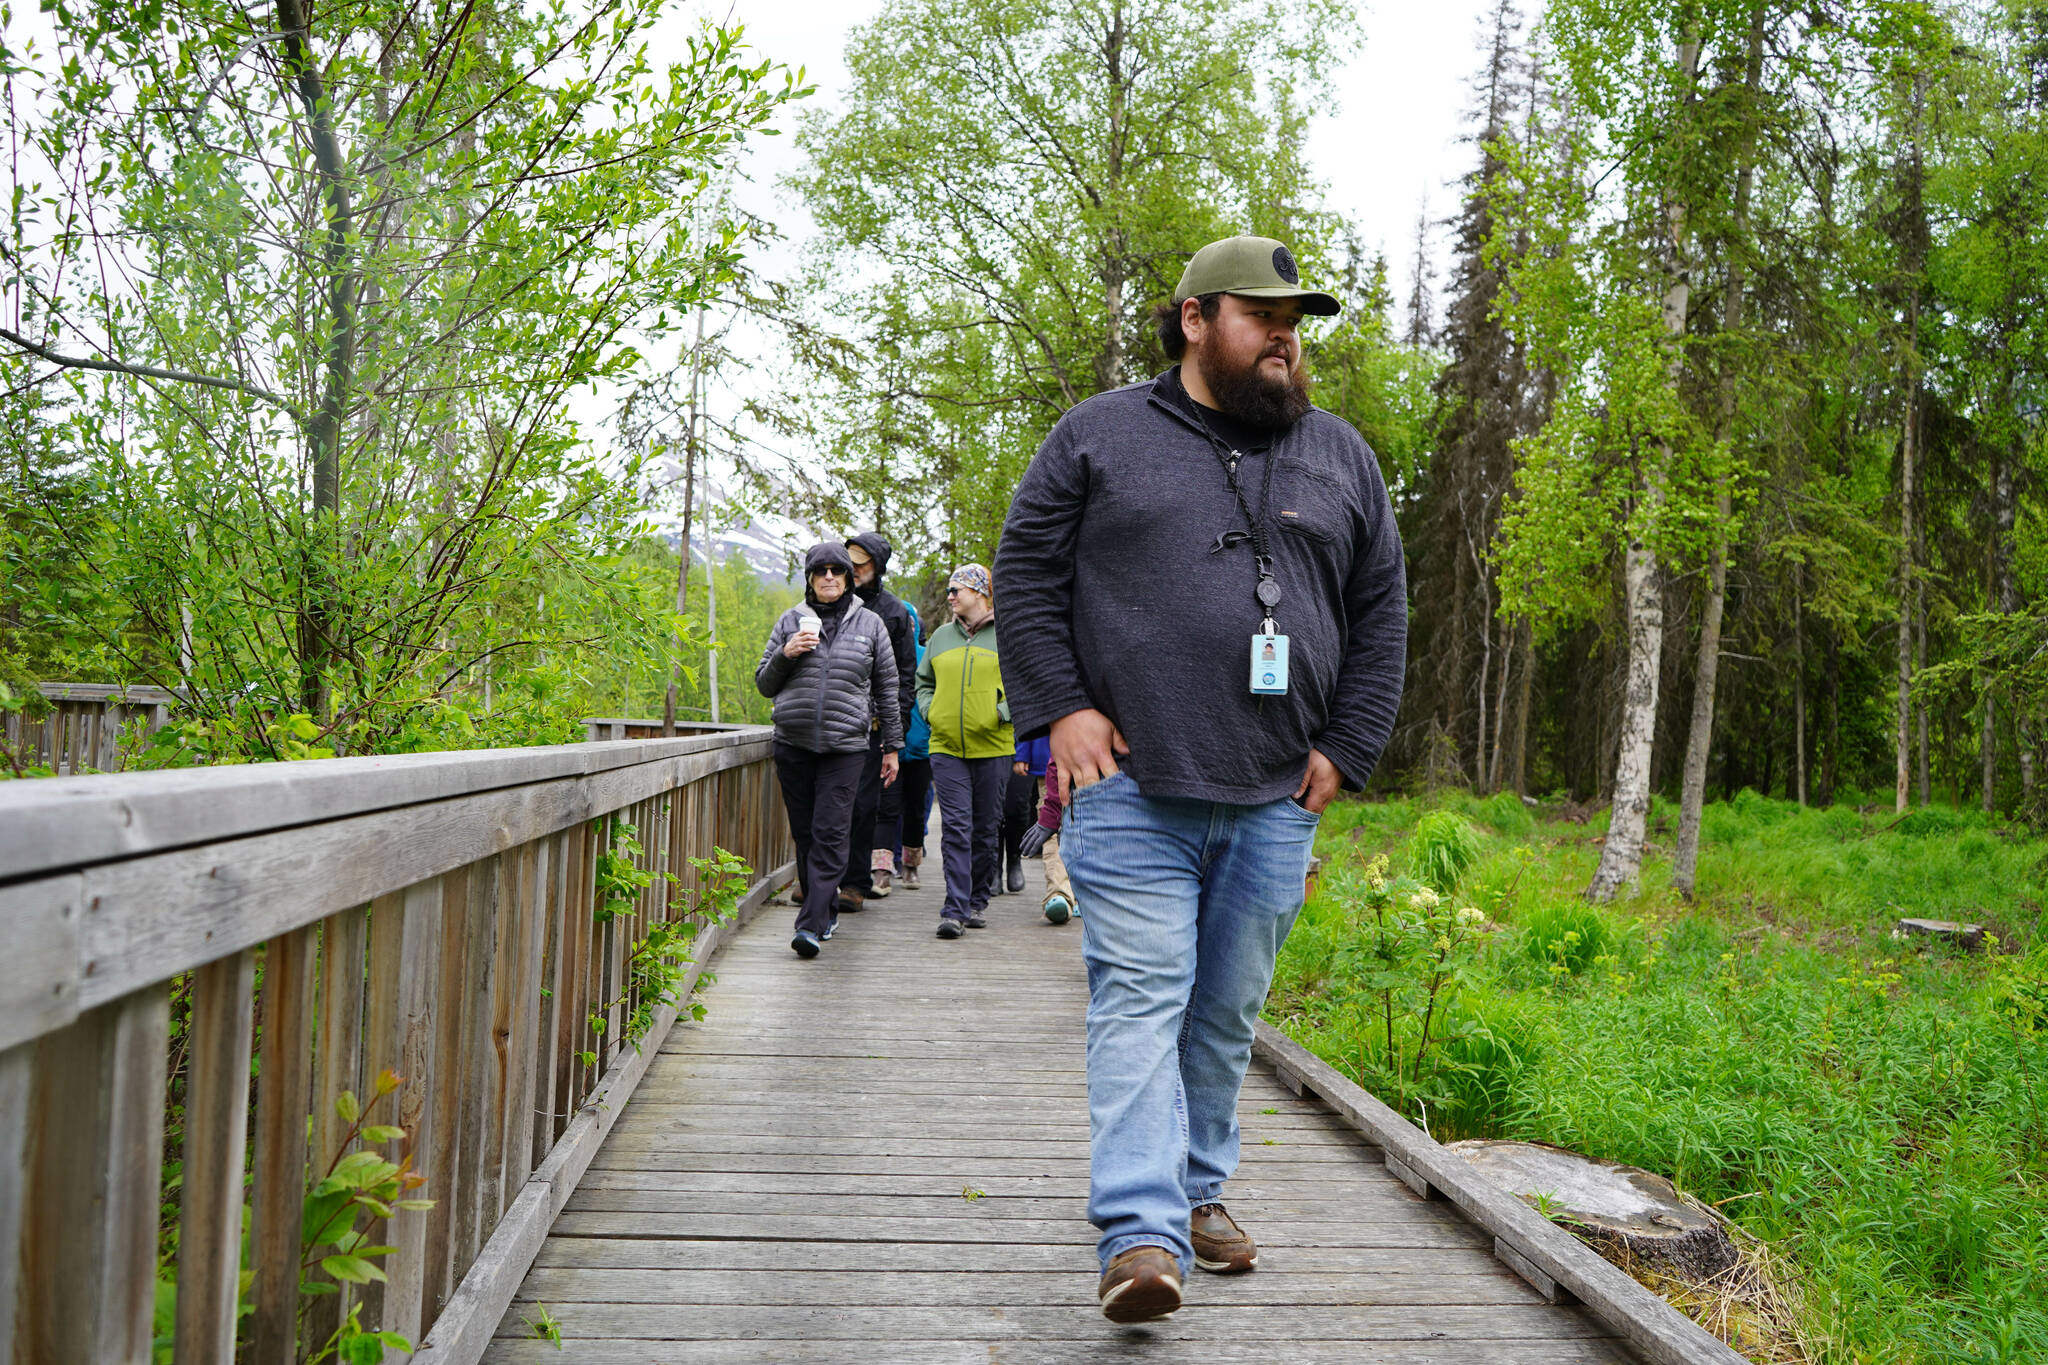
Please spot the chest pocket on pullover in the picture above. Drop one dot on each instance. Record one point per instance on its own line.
(1308, 504)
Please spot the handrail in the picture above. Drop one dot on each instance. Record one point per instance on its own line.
(429, 915)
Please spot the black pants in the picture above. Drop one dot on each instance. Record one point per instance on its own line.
(867, 808)
(971, 813)
(818, 791)
(914, 785)
(1020, 813)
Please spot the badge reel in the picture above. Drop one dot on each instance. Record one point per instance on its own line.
(1269, 650)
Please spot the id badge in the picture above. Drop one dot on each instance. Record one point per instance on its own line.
(1269, 665)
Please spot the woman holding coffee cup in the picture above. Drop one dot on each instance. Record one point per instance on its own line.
(831, 671)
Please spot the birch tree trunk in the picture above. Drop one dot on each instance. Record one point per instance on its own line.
(1699, 738)
(1518, 760)
(1914, 213)
(1621, 857)
(1799, 685)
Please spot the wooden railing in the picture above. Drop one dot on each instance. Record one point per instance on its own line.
(84, 727)
(596, 728)
(432, 916)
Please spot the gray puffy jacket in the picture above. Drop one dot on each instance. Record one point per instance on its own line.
(827, 700)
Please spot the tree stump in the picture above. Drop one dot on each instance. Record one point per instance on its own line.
(1968, 937)
(1626, 1213)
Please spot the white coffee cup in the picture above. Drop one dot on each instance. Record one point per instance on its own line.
(810, 623)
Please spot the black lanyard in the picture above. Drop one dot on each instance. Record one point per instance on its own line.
(1267, 591)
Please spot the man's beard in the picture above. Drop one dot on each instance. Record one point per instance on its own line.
(1249, 396)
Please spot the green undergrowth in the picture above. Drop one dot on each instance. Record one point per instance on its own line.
(1870, 1106)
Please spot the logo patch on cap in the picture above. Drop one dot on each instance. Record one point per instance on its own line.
(1283, 265)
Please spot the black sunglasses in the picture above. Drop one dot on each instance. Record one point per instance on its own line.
(833, 569)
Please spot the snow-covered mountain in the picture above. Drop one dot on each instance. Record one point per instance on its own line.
(771, 544)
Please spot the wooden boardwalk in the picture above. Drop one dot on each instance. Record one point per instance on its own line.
(881, 1157)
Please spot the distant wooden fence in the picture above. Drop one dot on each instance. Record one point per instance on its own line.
(83, 730)
(430, 914)
(596, 728)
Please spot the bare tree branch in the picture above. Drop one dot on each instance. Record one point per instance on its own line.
(74, 362)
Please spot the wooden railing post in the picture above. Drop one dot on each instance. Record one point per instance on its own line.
(93, 1165)
(283, 1098)
(216, 1134)
(440, 1139)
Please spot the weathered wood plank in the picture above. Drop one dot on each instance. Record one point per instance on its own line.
(995, 1287)
(511, 1349)
(1378, 1213)
(69, 822)
(1463, 1249)
(882, 1227)
(284, 1096)
(1081, 1321)
(550, 1042)
(1256, 1183)
(216, 1134)
(405, 969)
(994, 1146)
(654, 1157)
(17, 1071)
(40, 971)
(94, 1162)
(480, 1178)
(442, 1163)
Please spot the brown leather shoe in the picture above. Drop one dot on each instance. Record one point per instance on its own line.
(1220, 1244)
(1140, 1285)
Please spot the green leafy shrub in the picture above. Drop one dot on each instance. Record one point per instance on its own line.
(1565, 936)
(1411, 952)
(1443, 846)
(1504, 813)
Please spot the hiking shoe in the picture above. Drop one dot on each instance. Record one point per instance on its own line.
(1016, 882)
(976, 922)
(909, 875)
(830, 929)
(881, 884)
(848, 902)
(805, 943)
(1058, 909)
(1220, 1244)
(1140, 1285)
(951, 928)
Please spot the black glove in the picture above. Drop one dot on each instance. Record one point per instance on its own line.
(1034, 840)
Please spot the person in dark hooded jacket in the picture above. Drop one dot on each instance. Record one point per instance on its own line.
(830, 668)
(877, 807)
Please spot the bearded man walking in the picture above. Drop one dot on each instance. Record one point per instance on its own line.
(1206, 610)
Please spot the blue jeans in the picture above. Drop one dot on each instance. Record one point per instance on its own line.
(1188, 904)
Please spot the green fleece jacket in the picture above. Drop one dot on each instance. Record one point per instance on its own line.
(960, 693)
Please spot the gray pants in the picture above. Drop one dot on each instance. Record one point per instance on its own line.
(970, 794)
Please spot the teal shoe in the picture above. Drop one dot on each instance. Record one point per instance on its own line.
(1058, 909)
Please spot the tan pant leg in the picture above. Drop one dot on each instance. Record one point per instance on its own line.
(1055, 871)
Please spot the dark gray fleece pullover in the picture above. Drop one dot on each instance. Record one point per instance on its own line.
(1112, 597)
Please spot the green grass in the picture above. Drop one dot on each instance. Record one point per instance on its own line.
(1872, 1108)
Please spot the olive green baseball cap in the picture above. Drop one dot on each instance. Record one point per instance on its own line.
(1253, 267)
